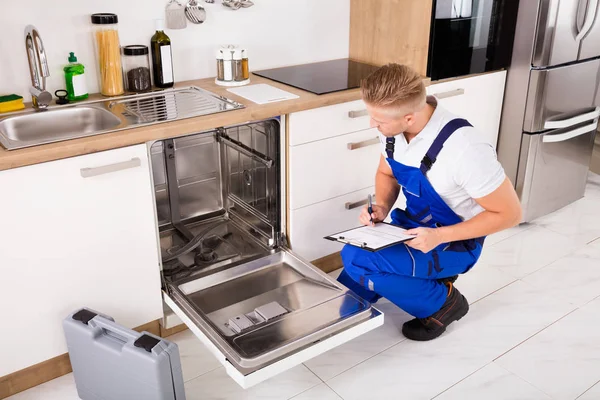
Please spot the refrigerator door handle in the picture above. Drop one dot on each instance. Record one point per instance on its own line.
(582, 6)
(590, 17)
(565, 123)
(561, 137)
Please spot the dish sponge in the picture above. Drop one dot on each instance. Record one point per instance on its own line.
(11, 102)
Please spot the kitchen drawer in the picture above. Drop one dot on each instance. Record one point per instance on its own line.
(478, 99)
(329, 168)
(310, 224)
(325, 122)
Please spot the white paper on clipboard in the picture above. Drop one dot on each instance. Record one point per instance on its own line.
(373, 238)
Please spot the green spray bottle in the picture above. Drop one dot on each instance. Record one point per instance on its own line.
(75, 80)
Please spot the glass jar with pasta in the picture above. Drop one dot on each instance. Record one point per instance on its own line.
(108, 54)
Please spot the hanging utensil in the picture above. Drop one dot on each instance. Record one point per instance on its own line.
(233, 4)
(175, 15)
(195, 12)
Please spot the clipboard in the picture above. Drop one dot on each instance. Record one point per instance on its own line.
(372, 238)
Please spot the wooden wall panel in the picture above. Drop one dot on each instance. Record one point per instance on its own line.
(385, 31)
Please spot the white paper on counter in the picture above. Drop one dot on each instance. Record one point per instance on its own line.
(262, 93)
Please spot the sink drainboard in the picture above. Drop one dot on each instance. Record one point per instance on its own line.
(168, 106)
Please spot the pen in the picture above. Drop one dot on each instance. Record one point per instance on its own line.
(370, 207)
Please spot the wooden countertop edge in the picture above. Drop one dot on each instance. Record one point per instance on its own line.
(108, 141)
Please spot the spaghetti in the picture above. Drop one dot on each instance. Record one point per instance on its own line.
(109, 59)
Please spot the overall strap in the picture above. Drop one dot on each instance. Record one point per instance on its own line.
(389, 147)
(438, 143)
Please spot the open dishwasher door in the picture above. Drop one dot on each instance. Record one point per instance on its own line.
(227, 274)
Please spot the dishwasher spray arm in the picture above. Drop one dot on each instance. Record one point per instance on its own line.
(241, 147)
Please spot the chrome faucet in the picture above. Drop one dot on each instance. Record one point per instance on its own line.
(38, 68)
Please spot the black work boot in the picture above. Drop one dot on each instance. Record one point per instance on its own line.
(423, 329)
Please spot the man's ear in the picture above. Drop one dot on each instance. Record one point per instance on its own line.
(410, 119)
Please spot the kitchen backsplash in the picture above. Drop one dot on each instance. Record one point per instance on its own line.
(275, 32)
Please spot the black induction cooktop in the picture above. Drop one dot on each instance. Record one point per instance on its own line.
(321, 77)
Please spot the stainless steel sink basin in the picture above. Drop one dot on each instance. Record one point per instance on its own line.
(26, 129)
(58, 124)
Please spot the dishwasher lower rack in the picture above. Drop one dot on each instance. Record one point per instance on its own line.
(262, 310)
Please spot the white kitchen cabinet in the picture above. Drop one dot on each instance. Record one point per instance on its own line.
(309, 225)
(325, 122)
(478, 99)
(75, 232)
(333, 167)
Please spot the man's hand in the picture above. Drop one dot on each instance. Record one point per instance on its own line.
(427, 239)
(379, 214)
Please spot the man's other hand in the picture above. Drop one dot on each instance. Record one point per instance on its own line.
(427, 239)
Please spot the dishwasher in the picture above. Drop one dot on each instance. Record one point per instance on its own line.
(227, 270)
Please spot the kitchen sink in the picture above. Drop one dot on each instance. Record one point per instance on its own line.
(57, 124)
(27, 129)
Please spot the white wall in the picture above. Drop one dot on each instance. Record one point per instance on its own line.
(275, 32)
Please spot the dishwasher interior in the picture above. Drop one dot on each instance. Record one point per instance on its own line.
(224, 263)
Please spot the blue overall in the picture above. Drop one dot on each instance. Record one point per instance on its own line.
(406, 276)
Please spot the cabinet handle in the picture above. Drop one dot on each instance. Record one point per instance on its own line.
(364, 143)
(107, 169)
(450, 93)
(358, 114)
(351, 206)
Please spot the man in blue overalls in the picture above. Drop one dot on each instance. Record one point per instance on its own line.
(456, 193)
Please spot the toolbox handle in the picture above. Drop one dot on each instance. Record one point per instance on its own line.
(110, 327)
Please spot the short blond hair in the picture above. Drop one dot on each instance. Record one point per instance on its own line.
(396, 87)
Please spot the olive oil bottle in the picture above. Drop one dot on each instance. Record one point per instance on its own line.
(162, 59)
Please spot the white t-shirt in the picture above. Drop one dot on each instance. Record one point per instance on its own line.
(467, 167)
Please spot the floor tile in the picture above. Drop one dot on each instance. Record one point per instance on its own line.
(346, 356)
(481, 281)
(62, 388)
(592, 394)
(321, 392)
(493, 382)
(218, 385)
(528, 251)
(564, 359)
(336, 273)
(579, 220)
(493, 326)
(505, 234)
(575, 277)
(196, 359)
(593, 185)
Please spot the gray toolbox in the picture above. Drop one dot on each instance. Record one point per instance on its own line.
(111, 362)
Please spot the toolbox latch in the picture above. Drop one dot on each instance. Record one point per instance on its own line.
(146, 342)
(84, 316)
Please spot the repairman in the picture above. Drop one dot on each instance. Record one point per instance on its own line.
(456, 194)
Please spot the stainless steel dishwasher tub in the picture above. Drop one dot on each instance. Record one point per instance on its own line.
(227, 270)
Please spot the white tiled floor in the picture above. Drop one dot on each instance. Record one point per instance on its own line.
(532, 332)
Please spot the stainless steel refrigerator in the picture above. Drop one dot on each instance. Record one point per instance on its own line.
(551, 105)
